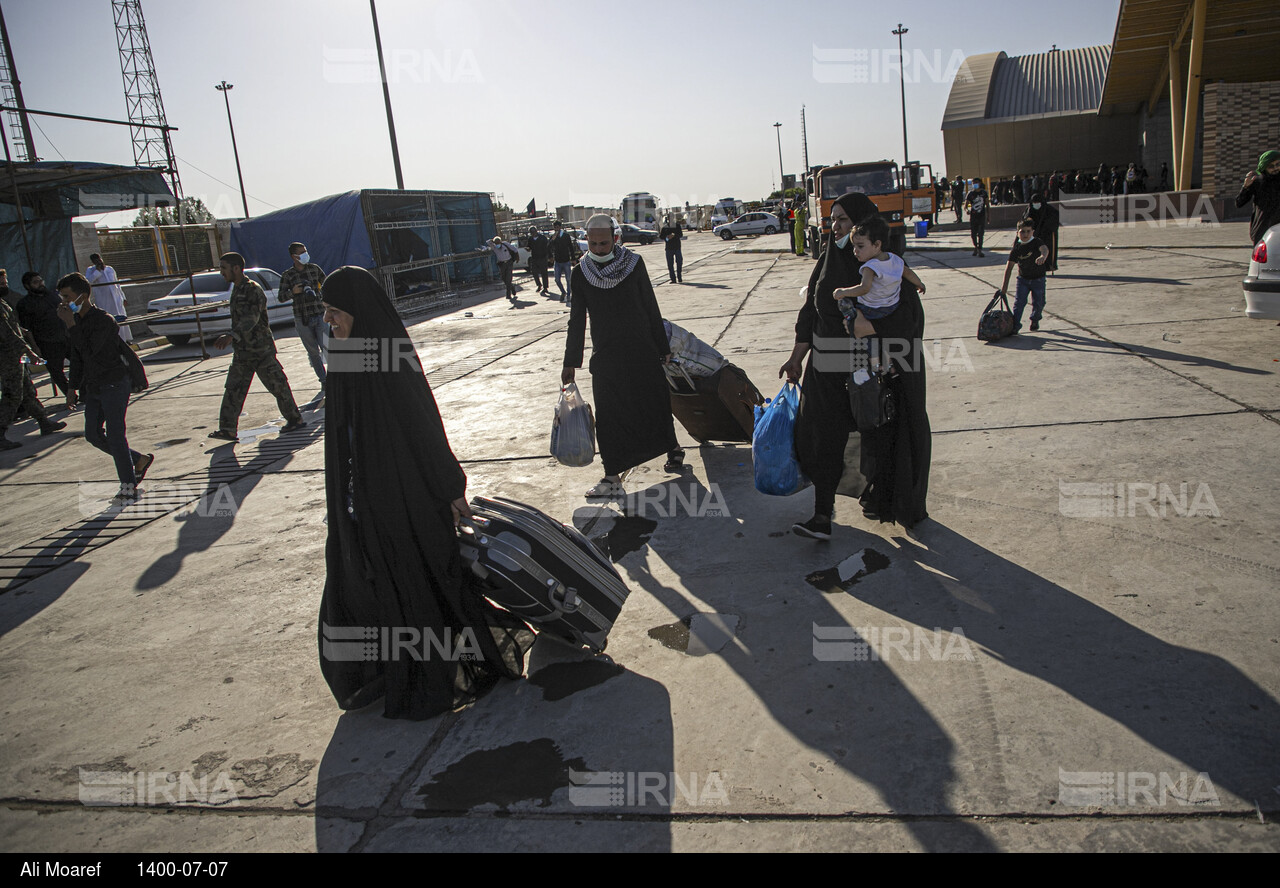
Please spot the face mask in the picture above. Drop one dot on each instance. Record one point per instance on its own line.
(1035, 206)
(601, 260)
(844, 241)
(304, 258)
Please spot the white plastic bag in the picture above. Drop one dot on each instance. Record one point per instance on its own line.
(573, 431)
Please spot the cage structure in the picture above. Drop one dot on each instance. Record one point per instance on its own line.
(425, 242)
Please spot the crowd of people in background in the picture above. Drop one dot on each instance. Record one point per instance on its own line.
(1059, 185)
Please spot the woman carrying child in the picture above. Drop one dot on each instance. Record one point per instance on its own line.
(891, 475)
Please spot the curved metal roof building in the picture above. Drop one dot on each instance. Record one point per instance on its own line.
(1034, 113)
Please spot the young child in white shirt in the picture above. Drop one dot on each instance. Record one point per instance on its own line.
(882, 274)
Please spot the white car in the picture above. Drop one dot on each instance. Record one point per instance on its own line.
(749, 223)
(1262, 286)
(212, 287)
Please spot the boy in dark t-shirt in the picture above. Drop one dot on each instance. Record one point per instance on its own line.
(976, 203)
(1030, 254)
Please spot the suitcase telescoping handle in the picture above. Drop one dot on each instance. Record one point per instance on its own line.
(671, 368)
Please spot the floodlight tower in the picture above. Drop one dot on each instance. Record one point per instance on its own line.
(141, 86)
(152, 146)
(11, 93)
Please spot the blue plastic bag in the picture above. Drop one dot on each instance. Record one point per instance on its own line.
(773, 446)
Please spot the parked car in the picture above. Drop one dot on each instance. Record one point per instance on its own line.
(1262, 286)
(212, 287)
(632, 234)
(749, 223)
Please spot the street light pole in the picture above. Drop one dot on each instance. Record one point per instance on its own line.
(902, 85)
(225, 88)
(777, 128)
(386, 97)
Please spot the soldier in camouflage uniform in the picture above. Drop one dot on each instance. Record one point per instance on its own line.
(254, 351)
(15, 385)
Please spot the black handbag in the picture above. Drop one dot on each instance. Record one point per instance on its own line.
(873, 401)
(996, 323)
(137, 372)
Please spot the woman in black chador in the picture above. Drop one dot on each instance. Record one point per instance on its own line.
(891, 472)
(395, 493)
(628, 347)
(1048, 220)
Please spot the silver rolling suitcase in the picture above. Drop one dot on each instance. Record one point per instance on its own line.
(542, 571)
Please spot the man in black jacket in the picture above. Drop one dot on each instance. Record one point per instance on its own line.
(101, 376)
(673, 237)
(539, 247)
(564, 252)
(38, 312)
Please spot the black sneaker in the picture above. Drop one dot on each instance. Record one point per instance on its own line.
(140, 467)
(50, 428)
(817, 528)
(6, 444)
(1035, 325)
(293, 426)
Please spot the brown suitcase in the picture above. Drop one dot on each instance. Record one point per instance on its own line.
(719, 407)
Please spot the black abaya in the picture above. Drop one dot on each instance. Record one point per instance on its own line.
(628, 342)
(393, 561)
(892, 469)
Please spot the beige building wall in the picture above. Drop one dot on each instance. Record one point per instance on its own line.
(1241, 120)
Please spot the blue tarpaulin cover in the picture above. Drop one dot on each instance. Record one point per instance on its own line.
(333, 228)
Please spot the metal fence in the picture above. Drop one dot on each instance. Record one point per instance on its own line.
(157, 249)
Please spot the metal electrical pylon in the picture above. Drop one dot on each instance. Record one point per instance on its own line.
(19, 129)
(141, 86)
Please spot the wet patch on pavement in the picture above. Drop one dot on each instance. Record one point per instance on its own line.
(629, 534)
(698, 634)
(848, 573)
(530, 770)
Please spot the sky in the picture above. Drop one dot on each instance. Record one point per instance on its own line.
(559, 102)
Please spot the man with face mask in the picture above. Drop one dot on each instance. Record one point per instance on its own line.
(107, 294)
(628, 347)
(1262, 186)
(38, 313)
(302, 284)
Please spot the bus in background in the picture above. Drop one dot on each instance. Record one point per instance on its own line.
(897, 197)
(726, 210)
(640, 208)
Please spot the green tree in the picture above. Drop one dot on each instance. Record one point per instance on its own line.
(193, 208)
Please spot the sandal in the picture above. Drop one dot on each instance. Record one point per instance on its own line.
(224, 435)
(606, 489)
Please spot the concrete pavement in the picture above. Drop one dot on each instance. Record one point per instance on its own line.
(1079, 651)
